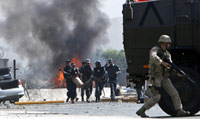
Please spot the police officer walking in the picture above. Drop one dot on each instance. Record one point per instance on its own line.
(99, 78)
(86, 72)
(75, 73)
(82, 70)
(71, 86)
(159, 72)
(112, 71)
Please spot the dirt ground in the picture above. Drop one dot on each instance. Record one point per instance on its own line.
(81, 110)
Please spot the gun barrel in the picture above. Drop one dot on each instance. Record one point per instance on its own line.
(173, 66)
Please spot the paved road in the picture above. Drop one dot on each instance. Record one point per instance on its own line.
(103, 110)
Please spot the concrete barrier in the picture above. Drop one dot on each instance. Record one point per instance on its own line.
(60, 94)
(56, 94)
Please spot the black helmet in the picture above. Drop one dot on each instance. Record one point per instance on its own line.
(98, 62)
(110, 60)
(68, 61)
(73, 64)
(83, 62)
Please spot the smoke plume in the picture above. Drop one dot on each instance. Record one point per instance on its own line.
(45, 33)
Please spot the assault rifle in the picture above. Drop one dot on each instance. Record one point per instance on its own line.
(173, 66)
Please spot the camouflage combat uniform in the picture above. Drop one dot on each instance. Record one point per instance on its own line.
(159, 77)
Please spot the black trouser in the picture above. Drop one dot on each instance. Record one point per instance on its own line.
(87, 92)
(139, 91)
(71, 87)
(87, 89)
(113, 84)
(99, 88)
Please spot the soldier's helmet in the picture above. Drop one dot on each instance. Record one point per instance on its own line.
(68, 61)
(83, 62)
(110, 60)
(87, 61)
(164, 39)
(98, 62)
(73, 64)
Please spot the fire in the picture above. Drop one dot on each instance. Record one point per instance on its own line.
(58, 80)
(77, 61)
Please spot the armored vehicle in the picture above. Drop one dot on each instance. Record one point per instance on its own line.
(144, 21)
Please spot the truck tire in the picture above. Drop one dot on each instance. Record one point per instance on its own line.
(188, 92)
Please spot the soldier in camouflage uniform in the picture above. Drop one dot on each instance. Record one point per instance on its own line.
(159, 72)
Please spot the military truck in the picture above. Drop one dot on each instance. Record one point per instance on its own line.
(144, 21)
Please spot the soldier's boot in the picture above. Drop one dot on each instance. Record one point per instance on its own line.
(96, 99)
(181, 113)
(67, 99)
(99, 99)
(73, 101)
(82, 98)
(113, 99)
(88, 100)
(77, 99)
(141, 112)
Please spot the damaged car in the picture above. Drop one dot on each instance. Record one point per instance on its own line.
(10, 89)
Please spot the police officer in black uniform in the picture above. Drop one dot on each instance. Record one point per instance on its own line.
(75, 73)
(82, 70)
(112, 71)
(67, 76)
(69, 73)
(86, 73)
(99, 78)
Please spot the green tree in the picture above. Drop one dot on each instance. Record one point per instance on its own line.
(118, 57)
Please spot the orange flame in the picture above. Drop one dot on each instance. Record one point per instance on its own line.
(58, 81)
(77, 61)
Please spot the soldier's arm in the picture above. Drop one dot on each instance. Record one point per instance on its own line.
(94, 72)
(118, 69)
(170, 57)
(78, 72)
(62, 70)
(153, 55)
(106, 66)
(103, 71)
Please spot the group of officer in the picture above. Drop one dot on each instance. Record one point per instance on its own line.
(88, 75)
(158, 72)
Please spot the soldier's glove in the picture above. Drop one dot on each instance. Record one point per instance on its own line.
(179, 75)
(165, 64)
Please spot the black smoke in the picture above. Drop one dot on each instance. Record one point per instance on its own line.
(45, 33)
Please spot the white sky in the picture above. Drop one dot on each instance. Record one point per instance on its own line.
(113, 8)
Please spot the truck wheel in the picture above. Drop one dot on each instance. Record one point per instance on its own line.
(188, 92)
